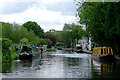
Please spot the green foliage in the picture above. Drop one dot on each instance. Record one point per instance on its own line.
(45, 41)
(17, 32)
(24, 41)
(34, 27)
(68, 27)
(51, 32)
(51, 48)
(14, 55)
(6, 52)
(6, 43)
(70, 33)
(77, 32)
(0, 29)
(6, 30)
(102, 21)
(13, 34)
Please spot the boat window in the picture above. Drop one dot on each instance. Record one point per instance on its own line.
(107, 50)
(97, 51)
(110, 51)
(25, 49)
(101, 51)
(104, 51)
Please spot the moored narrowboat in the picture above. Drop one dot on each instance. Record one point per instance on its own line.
(25, 53)
(104, 53)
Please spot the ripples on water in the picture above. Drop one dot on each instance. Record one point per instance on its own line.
(61, 64)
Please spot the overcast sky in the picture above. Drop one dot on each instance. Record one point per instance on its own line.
(49, 14)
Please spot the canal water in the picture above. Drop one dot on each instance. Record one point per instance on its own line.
(61, 64)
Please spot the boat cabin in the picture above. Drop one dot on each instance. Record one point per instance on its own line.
(102, 52)
(25, 53)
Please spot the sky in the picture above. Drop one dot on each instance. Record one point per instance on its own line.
(49, 14)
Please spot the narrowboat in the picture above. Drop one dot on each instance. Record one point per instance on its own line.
(25, 53)
(104, 53)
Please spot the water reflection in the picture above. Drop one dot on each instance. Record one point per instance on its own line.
(74, 61)
(77, 67)
(26, 63)
(61, 64)
(105, 70)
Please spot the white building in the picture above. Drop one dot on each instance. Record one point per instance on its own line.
(85, 43)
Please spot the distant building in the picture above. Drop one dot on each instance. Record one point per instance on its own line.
(85, 42)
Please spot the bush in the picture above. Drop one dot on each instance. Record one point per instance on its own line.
(52, 38)
(8, 54)
(6, 44)
(46, 41)
(24, 41)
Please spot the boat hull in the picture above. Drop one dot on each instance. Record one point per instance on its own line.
(107, 58)
(25, 57)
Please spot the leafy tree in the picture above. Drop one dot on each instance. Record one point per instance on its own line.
(33, 39)
(24, 41)
(45, 41)
(16, 36)
(34, 27)
(102, 21)
(70, 32)
(52, 38)
(77, 32)
(65, 36)
(0, 29)
(16, 33)
(68, 27)
(51, 32)
(6, 30)
(6, 52)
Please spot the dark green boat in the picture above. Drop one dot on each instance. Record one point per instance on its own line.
(25, 53)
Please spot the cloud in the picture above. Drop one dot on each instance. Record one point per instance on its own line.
(14, 7)
(42, 13)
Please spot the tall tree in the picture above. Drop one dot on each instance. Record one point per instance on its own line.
(77, 32)
(52, 38)
(102, 20)
(34, 27)
(51, 32)
(68, 27)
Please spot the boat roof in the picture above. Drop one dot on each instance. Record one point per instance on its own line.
(101, 47)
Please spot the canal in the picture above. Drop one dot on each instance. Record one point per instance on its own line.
(61, 64)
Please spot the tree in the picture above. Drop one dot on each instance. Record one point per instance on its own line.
(0, 29)
(70, 32)
(52, 38)
(34, 27)
(77, 32)
(102, 21)
(24, 41)
(65, 36)
(6, 52)
(68, 27)
(51, 32)
(45, 41)
(6, 30)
